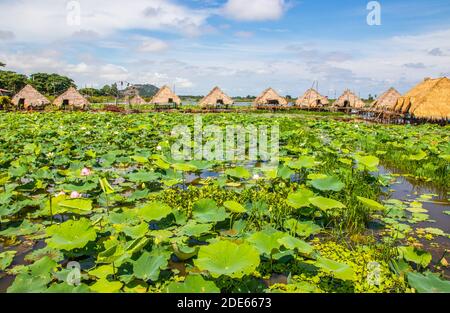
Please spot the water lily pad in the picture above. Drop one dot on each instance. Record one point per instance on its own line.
(238, 172)
(71, 234)
(105, 286)
(149, 265)
(303, 162)
(302, 228)
(294, 243)
(228, 258)
(414, 255)
(6, 259)
(266, 242)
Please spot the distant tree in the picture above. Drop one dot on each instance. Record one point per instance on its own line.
(2, 64)
(92, 92)
(106, 90)
(51, 84)
(12, 81)
(371, 97)
(288, 97)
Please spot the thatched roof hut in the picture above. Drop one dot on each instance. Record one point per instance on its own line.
(270, 97)
(3, 92)
(71, 99)
(349, 100)
(312, 99)
(165, 96)
(387, 101)
(137, 100)
(429, 100)
(30, 98)
(215, 98)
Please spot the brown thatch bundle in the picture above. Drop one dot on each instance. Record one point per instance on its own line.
(349, 100)
(137, 100)
(430, 100)
(71, 99)
(270, 97)
(29, 97)
(387, 101)
(312, 99)
(165, 96)
(216, 98)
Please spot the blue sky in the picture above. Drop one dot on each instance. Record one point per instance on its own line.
(242, 46)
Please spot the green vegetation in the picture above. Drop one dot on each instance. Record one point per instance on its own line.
(103, 191)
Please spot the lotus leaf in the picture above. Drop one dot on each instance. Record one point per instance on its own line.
(71, 234)
(330, 183)
(193, 284)
(154, 211)
(300, 198)
(234, 207)
(326, 204)
(428, 283)
(207, 211)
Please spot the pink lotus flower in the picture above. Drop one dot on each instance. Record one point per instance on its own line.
(75, 195)
(61, 193)
(85, 172)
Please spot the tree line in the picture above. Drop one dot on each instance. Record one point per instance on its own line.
(48, 84)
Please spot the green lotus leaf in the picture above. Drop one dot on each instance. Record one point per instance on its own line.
(300, 198)
(266, 242)
(24, 229)
(303, 162)
(192, 229)
(143, 177)
(105, 286)
(140, 159)
(302, 229)
(228, 258)
(184, 167)
(66, 288)
(149, 265)
(207, 211)
(371, 204)
(294, 243)
(330, 183)
(339, 270)
(414, 255)
(106, 187)
(419, 156)
(369, 163)
(193, 284)
(102, 271)
(428, 283)
(6, 259)
(285, 172)
(234, 207)
(34, 278)
(135, 232)
(79, 206)
(238, 172)
(183, 252)
(71, 235)
(154, 211)
(326, 204)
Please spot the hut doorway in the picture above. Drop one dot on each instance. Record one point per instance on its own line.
(65, 104)
(273, 102)
(21, 103)
(220, 101)
(346, 104)
(170, 100)
(319, 103)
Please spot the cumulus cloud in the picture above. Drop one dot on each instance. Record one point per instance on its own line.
(437, 52)
(254, 10)
(419, 65)
(244, 34)
(51, 19)
(6, 35)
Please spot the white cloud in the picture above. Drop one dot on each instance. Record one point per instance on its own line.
(254, 10)
(244, 34)
(152, 45)
(48, 19)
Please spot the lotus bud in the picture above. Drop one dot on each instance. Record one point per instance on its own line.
(75, 195)
(85, 172)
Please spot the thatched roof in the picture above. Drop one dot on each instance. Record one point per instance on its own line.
(387, 101)
(30, 98)
(270, 97)
(312, 99)
(164, 96)
(429, 99)
(137, 100)
(216, 97)
(349, 100)
(72, 98)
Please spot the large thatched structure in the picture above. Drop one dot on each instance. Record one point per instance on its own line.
(429, 100)
(71, 99)
(349, 100)
(137, 100)
(216, 98)
(29, 98)
(165, 96)
(270, 97)
(387, 101)
(312, 99)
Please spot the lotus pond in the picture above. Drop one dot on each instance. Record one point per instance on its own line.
(352, 207)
